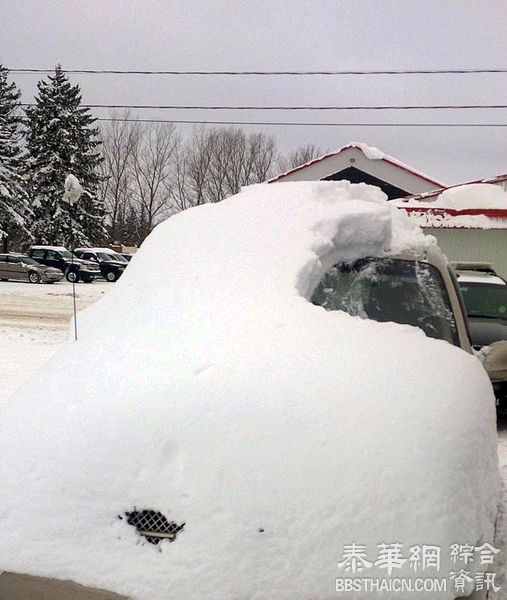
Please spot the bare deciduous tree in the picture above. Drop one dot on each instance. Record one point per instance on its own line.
(149, 173)
(152, 168)
(216, 163)
(300, 156)
(121, 140)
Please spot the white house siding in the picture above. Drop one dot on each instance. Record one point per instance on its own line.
(354, 157)
(489, 245)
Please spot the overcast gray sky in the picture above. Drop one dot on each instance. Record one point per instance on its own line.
(284, 35)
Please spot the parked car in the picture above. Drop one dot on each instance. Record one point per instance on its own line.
(110, 265)
(485, 296)
(74, 269)
(24, 268)
(250, 435)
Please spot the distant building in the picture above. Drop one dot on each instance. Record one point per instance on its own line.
(469, 221)
(359, 163)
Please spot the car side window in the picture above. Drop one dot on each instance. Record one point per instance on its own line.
(3, 259)
(13, 259)
(37, 254)
(52, 255)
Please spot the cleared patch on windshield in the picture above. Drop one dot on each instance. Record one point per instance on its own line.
(400, 291)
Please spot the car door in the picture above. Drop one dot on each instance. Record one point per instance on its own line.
(15, 268)
(53, 259)
(3, 267)
(90, 256)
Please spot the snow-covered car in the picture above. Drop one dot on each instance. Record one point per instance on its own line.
(246, 443)
(485, 296)
(19, 267)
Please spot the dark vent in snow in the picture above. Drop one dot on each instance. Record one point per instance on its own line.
(153, 525)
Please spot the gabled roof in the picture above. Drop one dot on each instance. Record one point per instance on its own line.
(371, 153)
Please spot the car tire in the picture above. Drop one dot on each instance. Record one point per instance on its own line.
(33, 277)
(4, 279)
(111, 276)
(72, 276)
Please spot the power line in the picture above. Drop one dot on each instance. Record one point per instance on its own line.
(285, 108)
(303, 124)
(270, 73)
(288, 123)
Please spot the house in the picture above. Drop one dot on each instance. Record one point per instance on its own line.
(359, 163)
(469, 220)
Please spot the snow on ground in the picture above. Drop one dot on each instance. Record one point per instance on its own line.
(276, 431)
(34, 323)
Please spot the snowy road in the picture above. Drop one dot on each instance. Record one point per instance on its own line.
(34, 321)
(43, 305)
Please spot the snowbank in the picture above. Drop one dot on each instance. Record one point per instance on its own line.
(206, 386)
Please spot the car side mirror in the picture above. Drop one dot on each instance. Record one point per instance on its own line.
(495, 361)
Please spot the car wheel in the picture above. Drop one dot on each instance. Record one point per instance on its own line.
(111, 276)
(33, 277)
(71, 277)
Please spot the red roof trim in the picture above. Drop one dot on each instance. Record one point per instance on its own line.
(495, 213)
(409, 170)
(295, 169)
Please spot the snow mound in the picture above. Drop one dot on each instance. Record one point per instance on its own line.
(485, 196)
(370, 152)
(473, 195)
(206, 386)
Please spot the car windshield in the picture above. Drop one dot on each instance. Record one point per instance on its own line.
(104, 256)
(401, 291)
(487, 300)
(29, 261)
(66, 254)
(120, 258)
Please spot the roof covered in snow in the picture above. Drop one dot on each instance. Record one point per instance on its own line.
(474, 206)
(222, 397)
(372, 154)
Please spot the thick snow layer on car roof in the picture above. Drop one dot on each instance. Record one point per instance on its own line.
(206, 386)
(57, 248)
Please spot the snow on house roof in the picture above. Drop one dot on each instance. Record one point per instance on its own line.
(371, 153)
(436, 192)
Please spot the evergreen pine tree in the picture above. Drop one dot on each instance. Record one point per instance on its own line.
(61, 140)
(14, 205)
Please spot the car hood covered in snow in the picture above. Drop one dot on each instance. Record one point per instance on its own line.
(276, 431)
